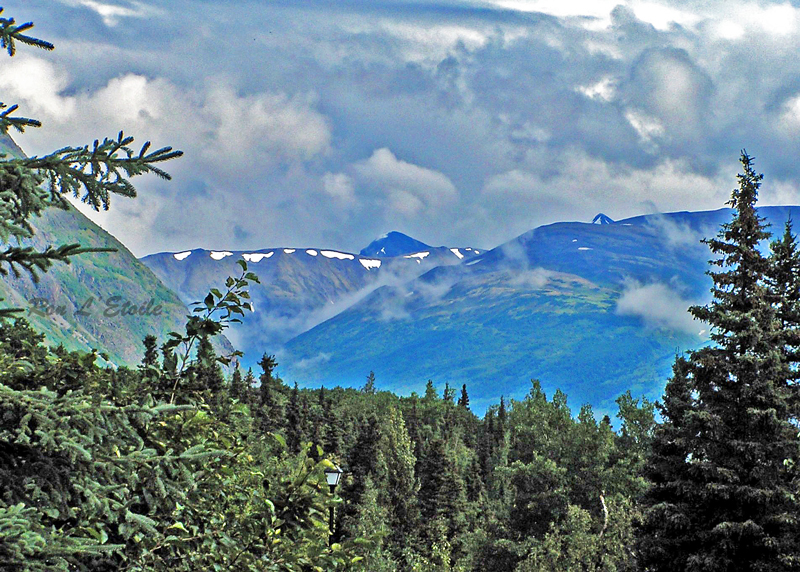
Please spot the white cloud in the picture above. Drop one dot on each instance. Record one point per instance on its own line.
(561, 8)
(112, 12)
(273, 124)
(604, 90)
(659, 306)
(679, 236)
(648, 128)
(229, 140)
(35, 84)
(409, 188)
(340, 186)
(778, 19)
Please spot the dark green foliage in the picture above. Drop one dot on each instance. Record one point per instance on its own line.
(332, 439)
(97, 475)
(463, 401)
(238, 391)
(150, 358)
(295, 434)
(369, 386)
(784, 293)
(270, 411)
(722, 495)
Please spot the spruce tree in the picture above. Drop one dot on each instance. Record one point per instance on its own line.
(463, 401)
(332, 429)
(722, 497)
(362, 462)
(294, 422)
(150, 358)
(369, 386)
(249, 386)
(270, 413)
(784, 285)
(395, 470)
(237, 384)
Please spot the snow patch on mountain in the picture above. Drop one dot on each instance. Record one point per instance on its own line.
(257, 256)
(220, 254)
(311, 252)
(369, 263)
(419, 255)
(182, 255)
(457, 253)
(334, 254)
(288, 250)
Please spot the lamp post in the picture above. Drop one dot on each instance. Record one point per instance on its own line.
(332, 476)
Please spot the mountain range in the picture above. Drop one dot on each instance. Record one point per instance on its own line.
(300, 287)
(591, 309)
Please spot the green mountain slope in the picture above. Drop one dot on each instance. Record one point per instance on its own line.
(107, 300)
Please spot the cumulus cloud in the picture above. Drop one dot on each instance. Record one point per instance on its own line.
(339, 186)
(230, 141)
(659, 306)
(409, 188)
(328, 124)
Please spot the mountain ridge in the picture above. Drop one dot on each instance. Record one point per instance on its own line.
(593, 309)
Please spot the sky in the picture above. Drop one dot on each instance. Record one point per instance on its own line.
(460, 123)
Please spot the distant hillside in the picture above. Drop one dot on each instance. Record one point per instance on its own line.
(83, 305)
(593, 309)
(300, 287)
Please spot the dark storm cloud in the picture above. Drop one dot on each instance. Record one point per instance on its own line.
(457, 122)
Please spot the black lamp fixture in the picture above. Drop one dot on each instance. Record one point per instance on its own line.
(332, 475)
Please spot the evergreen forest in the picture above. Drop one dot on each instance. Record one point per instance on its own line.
(188, 463)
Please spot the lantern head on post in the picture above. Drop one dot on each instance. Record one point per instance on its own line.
(332, 476)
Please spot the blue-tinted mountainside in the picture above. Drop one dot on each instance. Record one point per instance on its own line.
(300, 287)
(593, 309)
(396, 243)
(393, 244)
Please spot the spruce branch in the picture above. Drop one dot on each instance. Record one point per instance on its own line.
(91, 174)
(11, 32)
(100, 170)
(18, 123)
(40, 261)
